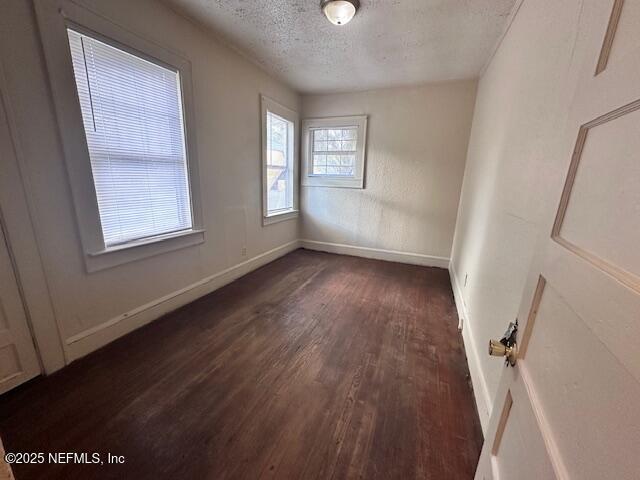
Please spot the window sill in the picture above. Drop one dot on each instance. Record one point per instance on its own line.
(137, 250)
(280, 217)
(333, 181)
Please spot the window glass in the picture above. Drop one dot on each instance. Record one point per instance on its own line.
(334, 151)
(133, 120)
(279, 163)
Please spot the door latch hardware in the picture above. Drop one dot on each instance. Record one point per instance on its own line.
(507, 346)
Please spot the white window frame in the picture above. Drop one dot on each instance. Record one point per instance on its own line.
(312, 180)
(54, 17)
(269, 105)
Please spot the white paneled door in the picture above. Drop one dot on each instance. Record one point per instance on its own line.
(18, 358)
(570, 408)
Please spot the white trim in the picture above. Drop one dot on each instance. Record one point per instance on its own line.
(357, 180)
(146, 241)
(478, 380)
(377, 253)
(91, 339)
(280, 217)
(129, 252)
(19, 215)
(546, 432)
(269, 105)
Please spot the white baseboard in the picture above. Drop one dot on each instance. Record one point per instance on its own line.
(480, 389)
(89, 340)
(377, 253)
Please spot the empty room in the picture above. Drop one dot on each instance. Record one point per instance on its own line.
(320, 239)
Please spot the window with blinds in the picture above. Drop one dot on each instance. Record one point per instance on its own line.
(334, 151)
(133, 119)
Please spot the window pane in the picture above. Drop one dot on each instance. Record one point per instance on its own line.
(279, 163)
(320, 135)
(334, 134)
(319, 159)
(333, 146)
(133, 121)
(320, 147)
(347, 160)
(333, 160)
(337, 151)
(349, 134)
(348, 146)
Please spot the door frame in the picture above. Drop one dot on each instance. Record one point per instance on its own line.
(17, 212)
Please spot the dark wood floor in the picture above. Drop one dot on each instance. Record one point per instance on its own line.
(314, 366)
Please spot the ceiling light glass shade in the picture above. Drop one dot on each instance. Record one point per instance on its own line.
(339, 12)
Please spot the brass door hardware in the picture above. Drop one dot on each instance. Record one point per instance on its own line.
(507, 346)
(497, 349)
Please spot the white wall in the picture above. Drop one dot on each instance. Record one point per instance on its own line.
(92, 308)
(417, 143)
(514, 173)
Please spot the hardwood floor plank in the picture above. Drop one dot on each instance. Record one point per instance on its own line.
(316, 366)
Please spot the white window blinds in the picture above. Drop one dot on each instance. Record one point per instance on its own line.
(133, 120)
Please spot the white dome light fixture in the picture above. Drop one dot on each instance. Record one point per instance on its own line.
(339, 12)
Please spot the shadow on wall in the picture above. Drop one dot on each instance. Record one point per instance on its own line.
(492, 308)
(404, 206)
(416, 149)
(372, 221)
(500, 255)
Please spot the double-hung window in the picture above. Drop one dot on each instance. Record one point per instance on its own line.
(334, 151)
(124, 108)
(132, 114)
(279, 172)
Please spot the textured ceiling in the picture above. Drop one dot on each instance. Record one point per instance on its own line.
(388, 43)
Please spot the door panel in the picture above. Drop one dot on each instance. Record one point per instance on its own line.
(606, 306)
(9, 362)
(593, 399)
(575, 390)
(18, 359)
(604, 172)
(520, 433)
(625, 39)
(607, 171)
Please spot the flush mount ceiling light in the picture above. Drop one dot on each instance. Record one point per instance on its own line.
(339, 12)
